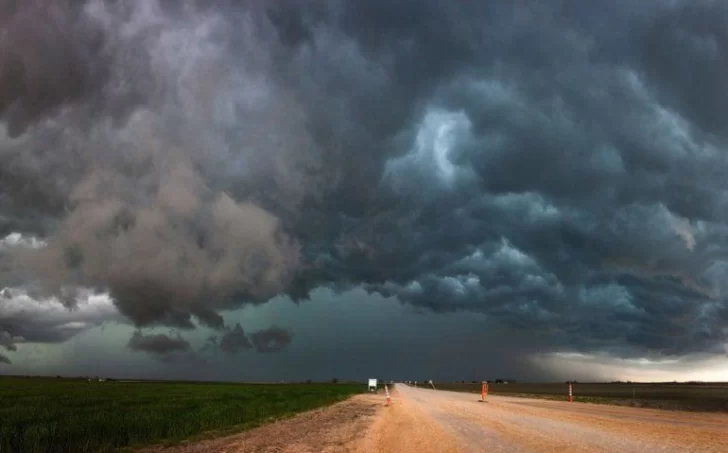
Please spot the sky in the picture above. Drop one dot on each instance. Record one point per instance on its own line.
(420, 189)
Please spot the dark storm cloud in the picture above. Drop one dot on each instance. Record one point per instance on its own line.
(234, 340)
(691, 37)
(7, 341)
(273, 339)
(38, 37)
(158, 344)
(558, 167)
(148, 186)
(5, 360)
(571, 185)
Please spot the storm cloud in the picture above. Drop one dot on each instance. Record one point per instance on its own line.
(8, 341)
(273, 339)
(234, 340)
(519, 160)
(38, 37)
(159, 344)
(25, 318)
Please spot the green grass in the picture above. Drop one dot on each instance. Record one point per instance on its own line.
(691, 397)
(63, 415)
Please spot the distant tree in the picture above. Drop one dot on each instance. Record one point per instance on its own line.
(334, 381)
(308, 381)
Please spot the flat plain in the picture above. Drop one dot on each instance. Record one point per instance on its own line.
(64, 415)
(73, 415)
(427, 421)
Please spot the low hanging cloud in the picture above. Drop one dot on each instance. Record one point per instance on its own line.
(158, 344)
(27, 318)
(5, 360)
(8, 341)
(514, 159)
(273, 339)
(234, 340)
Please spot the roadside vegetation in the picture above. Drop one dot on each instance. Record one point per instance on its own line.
(70, 415)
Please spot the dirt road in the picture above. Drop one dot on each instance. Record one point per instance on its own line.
(504, 424)
(427, 421)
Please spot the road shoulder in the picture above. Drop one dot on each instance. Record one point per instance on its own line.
(339, 428)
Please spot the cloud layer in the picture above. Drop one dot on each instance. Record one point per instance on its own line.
(515, 159)
(273, 339)
(159, 344)
(28, 319)
(235, 340)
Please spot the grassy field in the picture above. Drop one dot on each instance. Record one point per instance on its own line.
(62, 415)
(692, 397)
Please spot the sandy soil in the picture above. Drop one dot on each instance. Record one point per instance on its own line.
(427, 421)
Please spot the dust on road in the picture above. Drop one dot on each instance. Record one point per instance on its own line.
(428, 421)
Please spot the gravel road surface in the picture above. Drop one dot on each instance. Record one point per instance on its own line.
(512, 425)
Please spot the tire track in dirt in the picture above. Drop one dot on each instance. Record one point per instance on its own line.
(404, 427)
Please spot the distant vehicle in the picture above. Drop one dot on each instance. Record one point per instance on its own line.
(372, 385)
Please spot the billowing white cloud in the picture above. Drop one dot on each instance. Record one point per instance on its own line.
(25, 318)
(18, 240)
